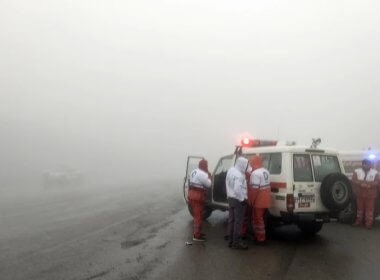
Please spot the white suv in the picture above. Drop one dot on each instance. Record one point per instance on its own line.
(308, 185)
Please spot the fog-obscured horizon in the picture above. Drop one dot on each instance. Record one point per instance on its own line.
(123, 91)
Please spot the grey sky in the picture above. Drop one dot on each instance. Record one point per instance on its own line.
(123, 89)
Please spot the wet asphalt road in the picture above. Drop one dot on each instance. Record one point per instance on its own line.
(117, 233)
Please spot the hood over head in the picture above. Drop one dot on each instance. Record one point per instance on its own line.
(241, 164)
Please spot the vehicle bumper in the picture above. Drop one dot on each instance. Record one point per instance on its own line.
(305, 217)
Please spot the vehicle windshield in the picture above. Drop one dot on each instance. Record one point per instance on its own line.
(325, 165)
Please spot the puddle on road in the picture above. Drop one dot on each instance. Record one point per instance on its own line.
(157, 228)
(151, 234)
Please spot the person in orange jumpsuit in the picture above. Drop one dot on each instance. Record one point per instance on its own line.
(366, 182)
(259, 197)
(200, 181)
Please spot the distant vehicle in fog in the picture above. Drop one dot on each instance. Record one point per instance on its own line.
(62, 177)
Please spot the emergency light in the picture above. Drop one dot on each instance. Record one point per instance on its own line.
(246, 142)
(250, 143)
(372, 157)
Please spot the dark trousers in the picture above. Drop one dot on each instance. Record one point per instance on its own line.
(235, 219)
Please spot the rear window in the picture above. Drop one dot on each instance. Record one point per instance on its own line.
(302, 168)
(325, 165)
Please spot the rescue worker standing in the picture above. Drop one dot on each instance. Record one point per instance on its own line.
(365, 180)
(200, 180)
(236, 188)
(259, 197)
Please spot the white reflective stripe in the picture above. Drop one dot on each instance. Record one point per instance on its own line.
(199, 177)
(259, 187)
(370, 176)
(196, 186)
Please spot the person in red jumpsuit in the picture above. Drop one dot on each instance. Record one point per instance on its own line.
(259, 197)
(199, 182)
(365, 181)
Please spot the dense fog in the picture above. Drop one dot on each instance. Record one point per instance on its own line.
(123, 91)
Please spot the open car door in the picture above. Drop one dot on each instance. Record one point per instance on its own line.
(192, 163)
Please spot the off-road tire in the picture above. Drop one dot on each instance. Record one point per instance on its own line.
(207, 211)
(336, 192)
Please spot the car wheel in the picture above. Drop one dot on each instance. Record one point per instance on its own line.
(207, 211)
(348, 214)
(336, 191)
(310, 228)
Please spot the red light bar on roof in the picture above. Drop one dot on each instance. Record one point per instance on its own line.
(249, 143)
(246, 142)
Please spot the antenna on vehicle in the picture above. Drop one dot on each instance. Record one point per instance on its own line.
(315, 143)
(238, 150)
